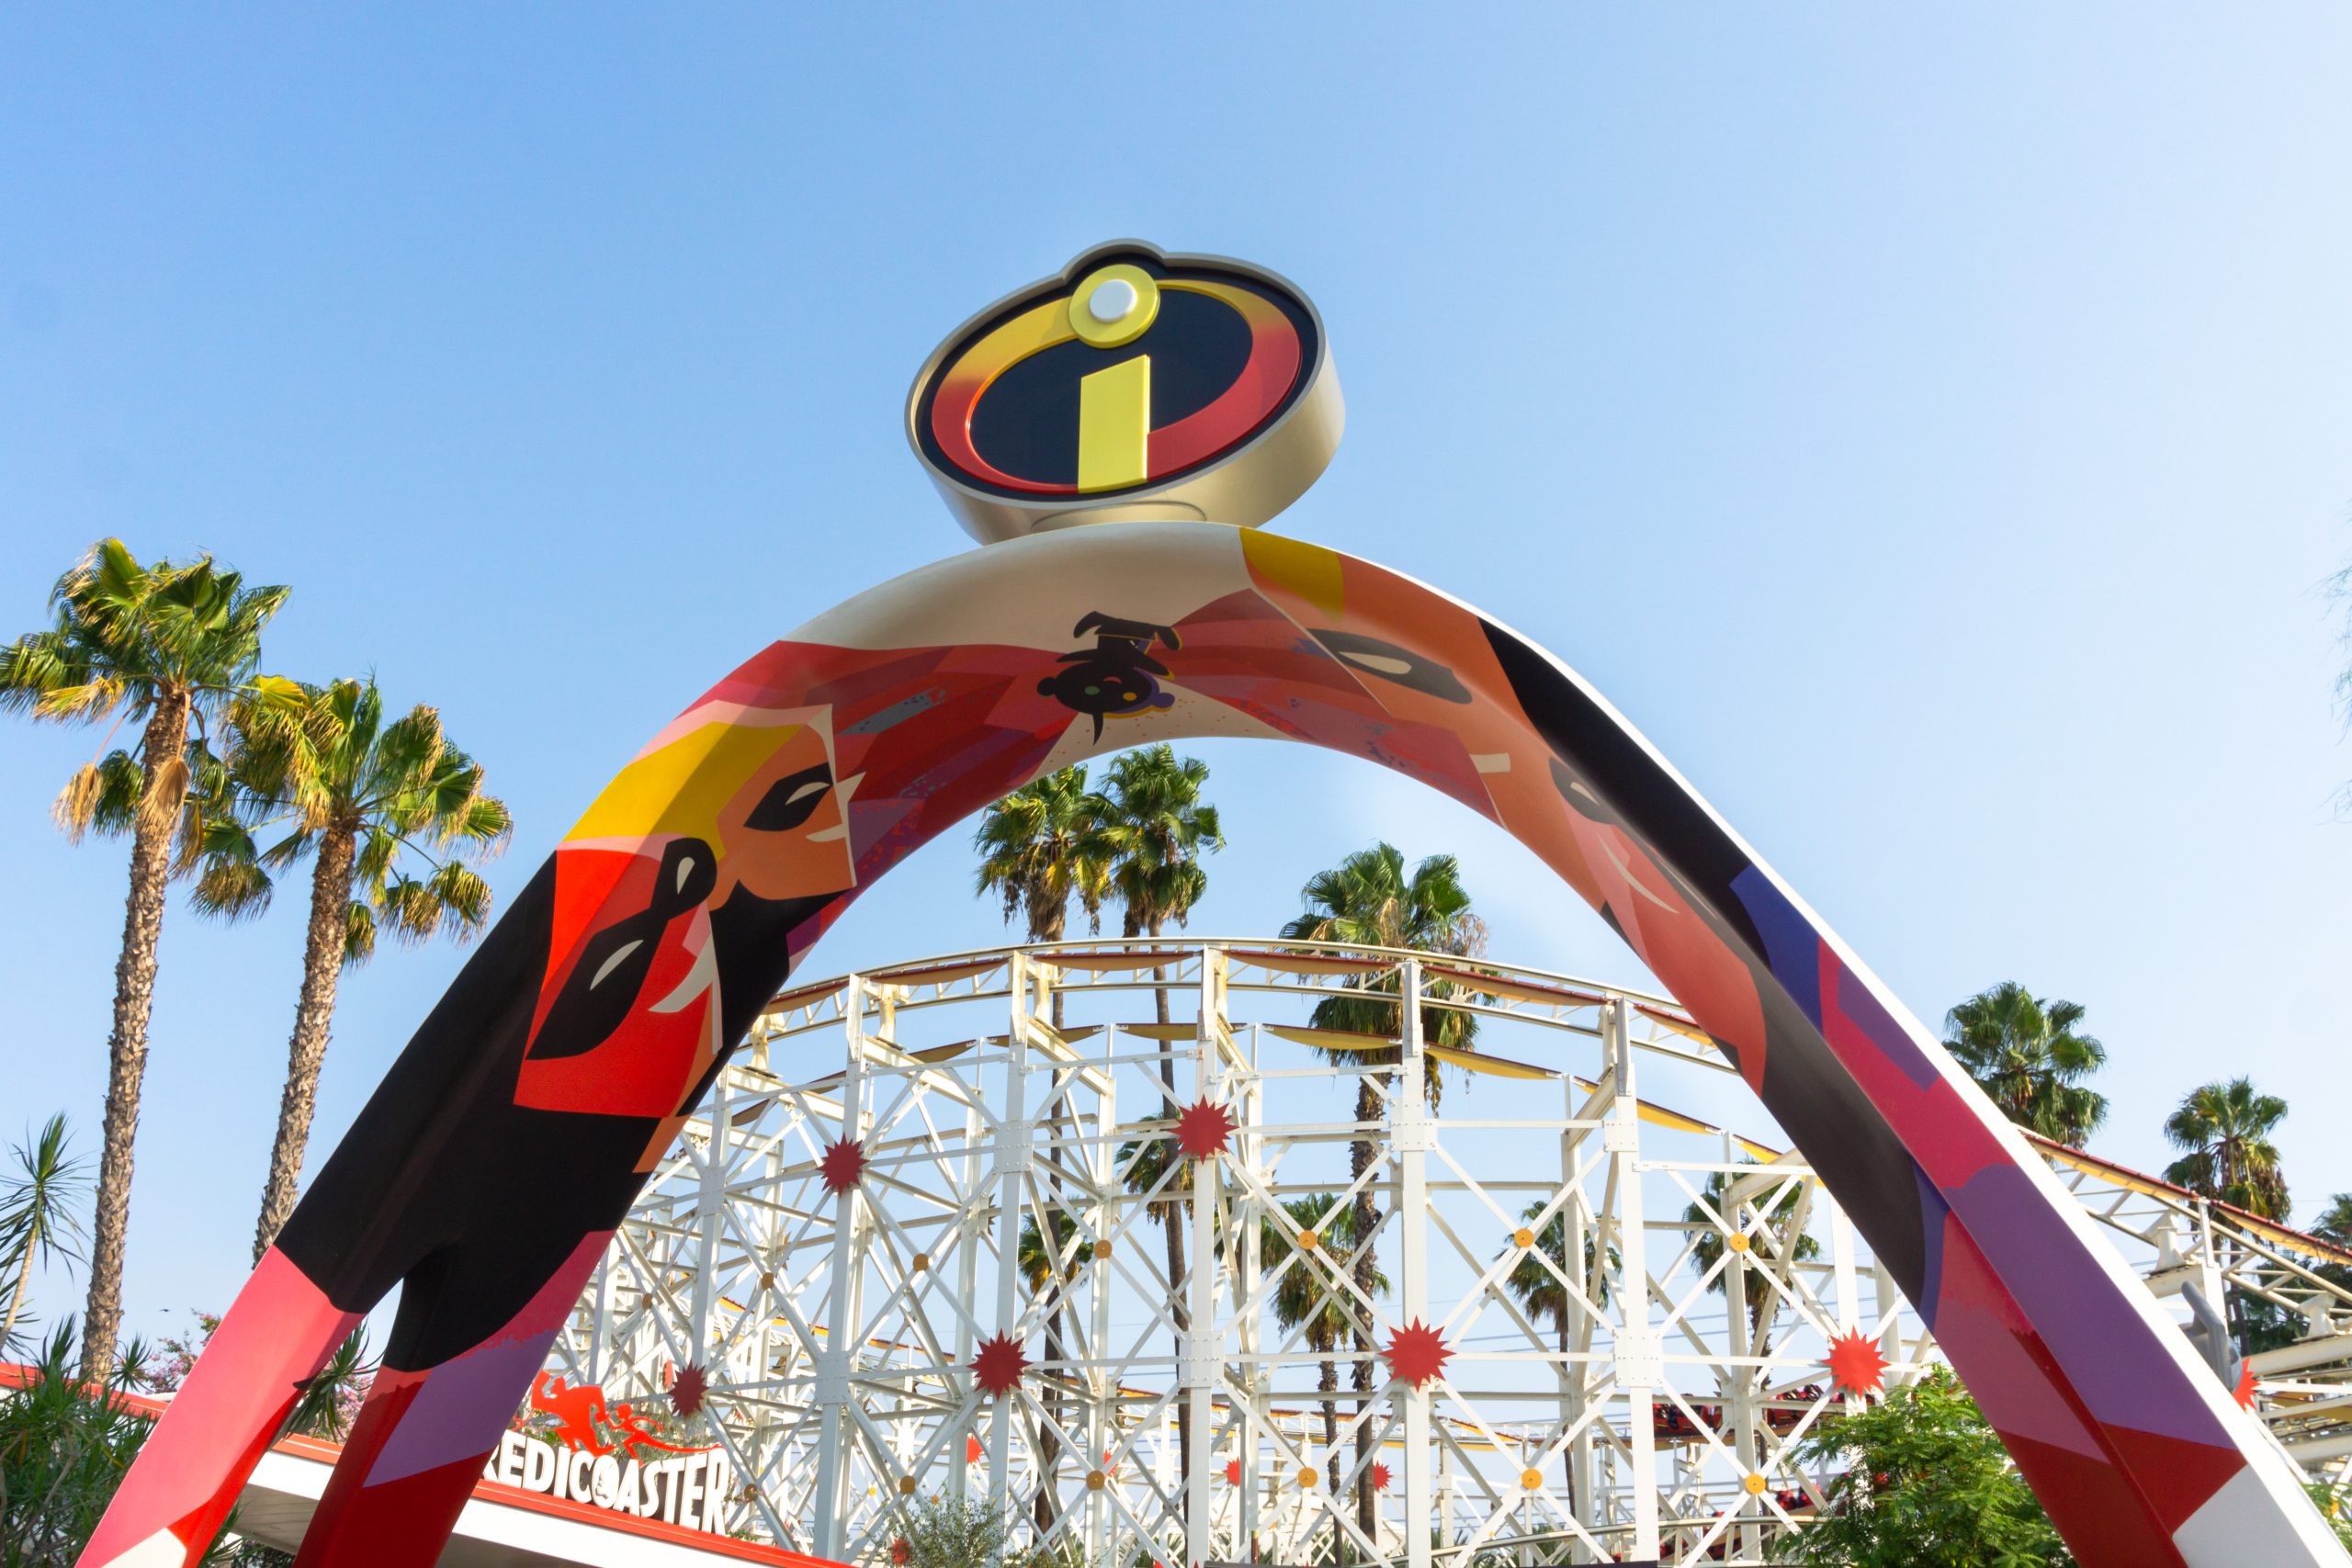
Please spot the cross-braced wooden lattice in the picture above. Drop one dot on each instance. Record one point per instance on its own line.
(1120, 1238)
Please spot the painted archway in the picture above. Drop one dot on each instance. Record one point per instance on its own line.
(490, 1168)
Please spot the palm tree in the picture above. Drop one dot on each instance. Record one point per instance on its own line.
(1039, 847)
(1541, 1294)
(1154, 829)
(362, 798)
(167, 645)
(39, 1217)
(1044, 1268)
(2334, 1226)
(1778, 1213)
(1776, 1206)
(1304, 1298)
(2026, 1053)
(2226, 1128)
(1368, 900)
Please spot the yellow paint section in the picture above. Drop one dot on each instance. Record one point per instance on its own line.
(680, 788)
(1330, 1039)
(1162, 1030)
(1493, 1066)
(1297, 567)
(1032, 331)
(1114, 425)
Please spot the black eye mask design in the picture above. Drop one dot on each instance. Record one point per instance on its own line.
(1391, 663)
(602, 985)
(791, 800)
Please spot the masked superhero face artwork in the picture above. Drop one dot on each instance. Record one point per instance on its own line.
(727, 804)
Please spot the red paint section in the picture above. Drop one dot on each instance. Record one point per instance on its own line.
(644, 1066)
(1677, 944)
(1236, 412)
(1939, 1130)
(2094, 1506)
(396, 1525)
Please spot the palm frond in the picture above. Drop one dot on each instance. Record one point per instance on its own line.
(77, 803)
(91, 699)
(159, 805)
(358, 934)
(230, 889)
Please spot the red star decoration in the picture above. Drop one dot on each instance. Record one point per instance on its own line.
(1855, 1364)
(900, 1550)
(1379, 1476)
(843, 1163)
(972, 1450)
(1233, 1473)
(1204, 1129)
(2244, 1393)
(1416, 1353)
(999, 1365)
(687, 1391)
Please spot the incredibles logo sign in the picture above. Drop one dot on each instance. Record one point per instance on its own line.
(1135, 385)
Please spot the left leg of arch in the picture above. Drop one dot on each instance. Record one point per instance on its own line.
(426, 1432)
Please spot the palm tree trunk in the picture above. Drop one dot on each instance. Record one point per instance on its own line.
(1043, 1507)
(314, 1017)
(163, 749)
(1045, 924)
(1175, 1231)
(1329, 1385)
(24, 1277)
(1368, 1220)
(1567, 1450)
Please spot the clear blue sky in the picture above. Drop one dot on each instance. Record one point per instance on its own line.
(1933, 428)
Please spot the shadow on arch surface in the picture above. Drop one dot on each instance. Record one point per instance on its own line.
(486, 1172)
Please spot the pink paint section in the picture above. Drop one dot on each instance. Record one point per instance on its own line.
(279, 1332)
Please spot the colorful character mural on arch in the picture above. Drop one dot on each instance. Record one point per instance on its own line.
(490, 1168)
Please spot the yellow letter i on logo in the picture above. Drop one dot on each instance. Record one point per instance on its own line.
(1114, 425)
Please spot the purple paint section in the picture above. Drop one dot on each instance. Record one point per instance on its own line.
(2016, 1395)
(2122, 1376)
(461, 1407)
(465, 1402)
(1864, 1008)
(1791, 945)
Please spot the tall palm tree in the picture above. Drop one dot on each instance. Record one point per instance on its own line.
(167, 647)
(40, 1218)
(1041, 846)
(1155, 827)
(1369, 900)
(1305, 1298)
(1541, 1294)
(1048, 1268)
(2226, 1129)
(2027, 1052)
(364, 800)
(1775, 1205)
